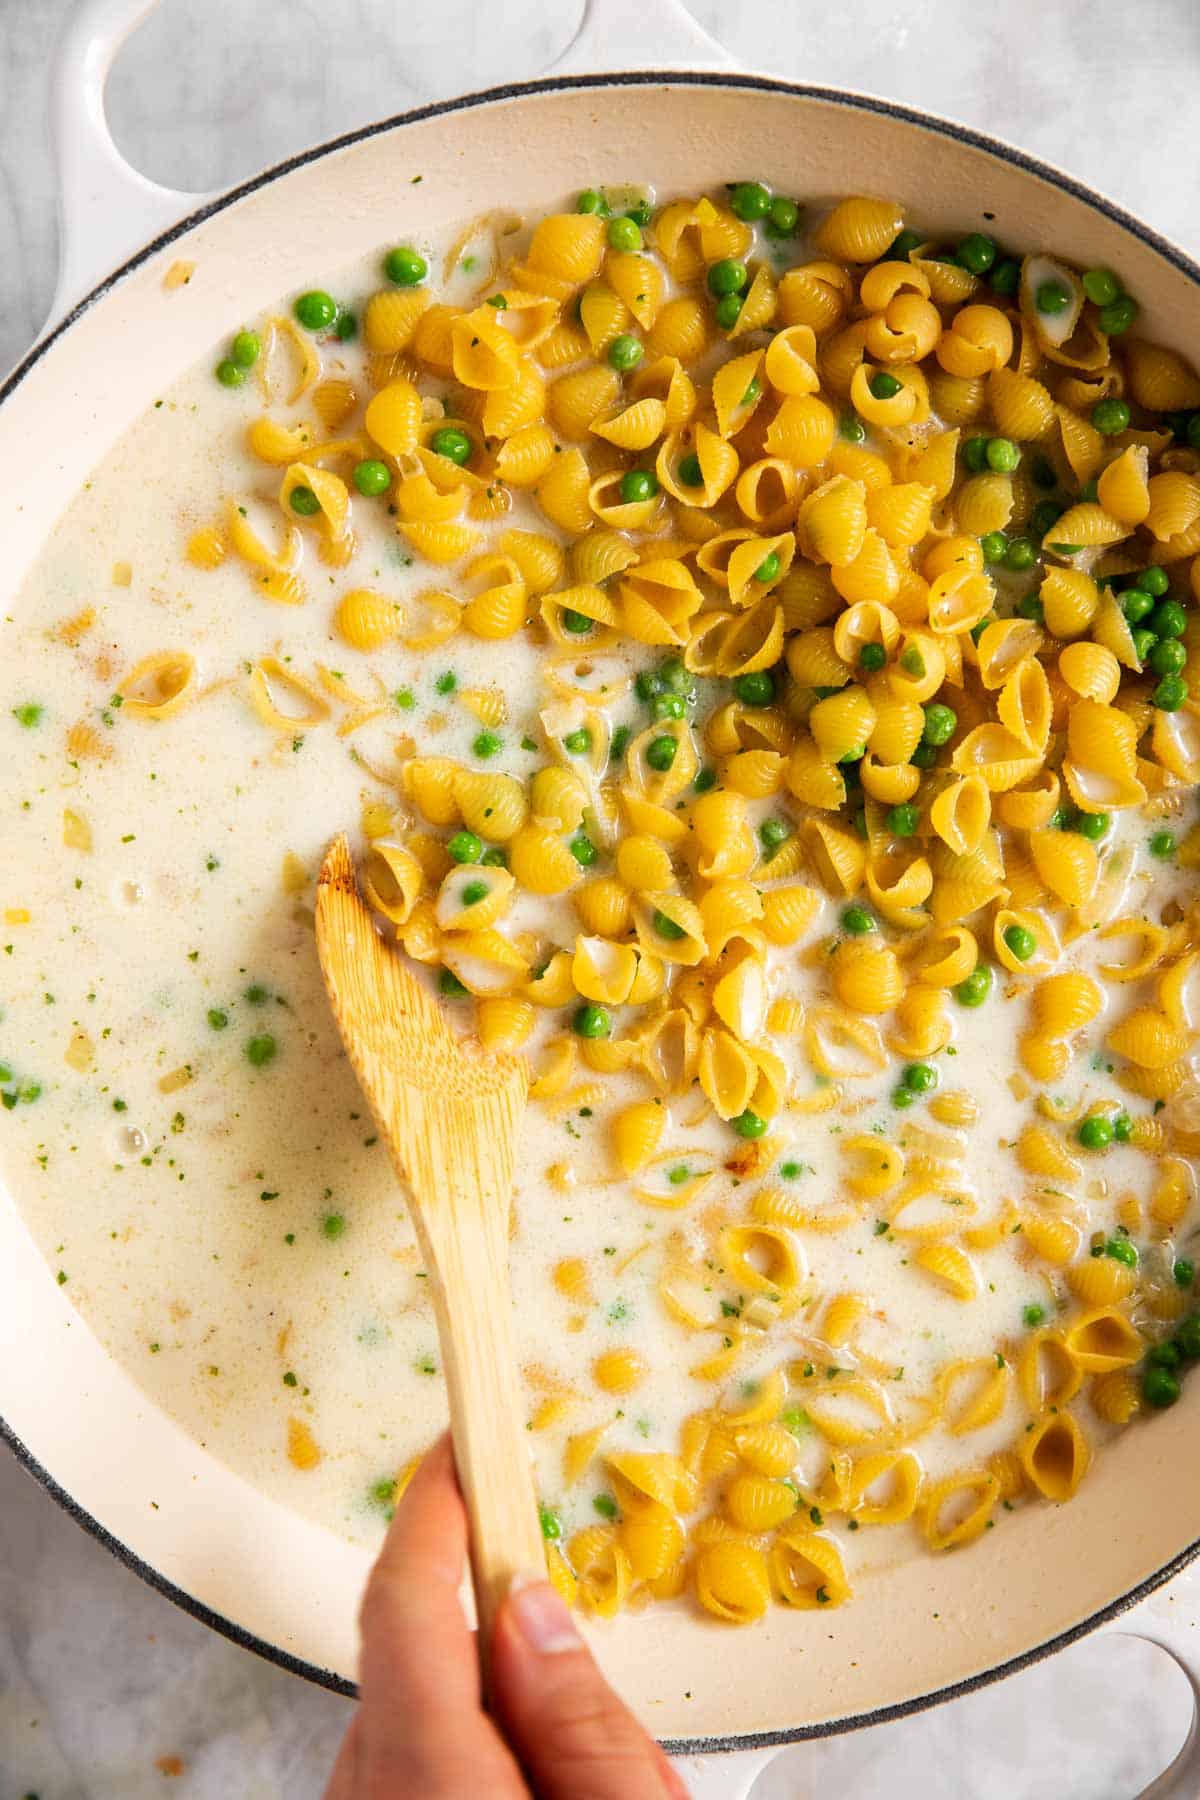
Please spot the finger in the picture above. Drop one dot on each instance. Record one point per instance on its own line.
(345, 1770)
(421, 1726)
(574, 1737)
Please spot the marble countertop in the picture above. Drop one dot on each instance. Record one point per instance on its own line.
(107, 1692)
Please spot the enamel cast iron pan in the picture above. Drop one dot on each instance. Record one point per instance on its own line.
(264, 1576)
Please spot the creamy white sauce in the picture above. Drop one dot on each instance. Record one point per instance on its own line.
(239, 1242)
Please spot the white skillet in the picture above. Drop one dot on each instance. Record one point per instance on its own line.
(262, 1575)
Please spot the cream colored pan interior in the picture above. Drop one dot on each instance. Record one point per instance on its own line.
(237, 1559)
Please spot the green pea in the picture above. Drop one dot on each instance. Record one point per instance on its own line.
(345, 326)
(749, 200)
(977, 253)
(1091, 825)
(619, 742)
(661, 753)
(1120, 1248)
(767, 569)
(1154, 580)
(857, 921)
(638, 484)
(1168, 657)
(912, 662)
(625, 352)
(902, 1097)
(690, 472)
(405, 266)
(1021, 554)
(729, 276)
(1005, 276)
(1168, 620)
(451, 986)
(647, 683)
(494, 858)
(624, 235)
(977, 630)
(1187, 1336)
(217, 1020)
(550, 1522)
(577, 743)
(1089, 491)
(752, 393)
(1060, 818)
(1044, 517)
(1123, 1128)
(1170, 693)
(1136, 604)
(1030, 607)
(666, 927)
(446, 682)
(590, 201)
(315, 310)
(924, 756)
(976, 988)
(748, 1125)
(1033, 1316)
(1101, 286)
(1052, 297)
(372, 477)
(261, 1049)
(464, 847)
(246, 349)
(302, 500)
(1143, 643)
(783, 216)
(940, 724)
(902, 821)
(851, 429)
(852, 756)
(1118, 315)
(577, 623)
(1003, 455)
(452, 443)
(920, 1078)
(757, 688)
(1184, 1272)
(1020, 941)
(228, 373)
(705, 782)
(674, 676)
(641, 213)
(872, 658)
(975, 454)
(583, 850)
(1162, 845)
(993, 544)
(1110, 417)
(668, 706)
(1164, 1356)
(591, 1021)
(1160, 1388)
(728, 311)
(903, 245)
(606, 1506)
(772, 833)
(474, 892)
(486, 744)
(884, 386)
(1096, 1133)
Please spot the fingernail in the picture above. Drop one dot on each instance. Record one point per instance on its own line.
(541, 1616)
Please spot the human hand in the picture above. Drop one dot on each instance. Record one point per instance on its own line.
(555, 1730)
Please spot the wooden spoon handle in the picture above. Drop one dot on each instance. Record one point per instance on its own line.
(487, 1419)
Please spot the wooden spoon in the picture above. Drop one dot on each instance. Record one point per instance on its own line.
(449, 1117)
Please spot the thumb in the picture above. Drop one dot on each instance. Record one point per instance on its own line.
(575, 1739)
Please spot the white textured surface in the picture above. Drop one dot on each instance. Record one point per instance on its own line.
(99, 1676)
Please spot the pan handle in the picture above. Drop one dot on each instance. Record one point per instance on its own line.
(724, 1776)
(106, 209)
(1181, 1781)
(639, 34)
